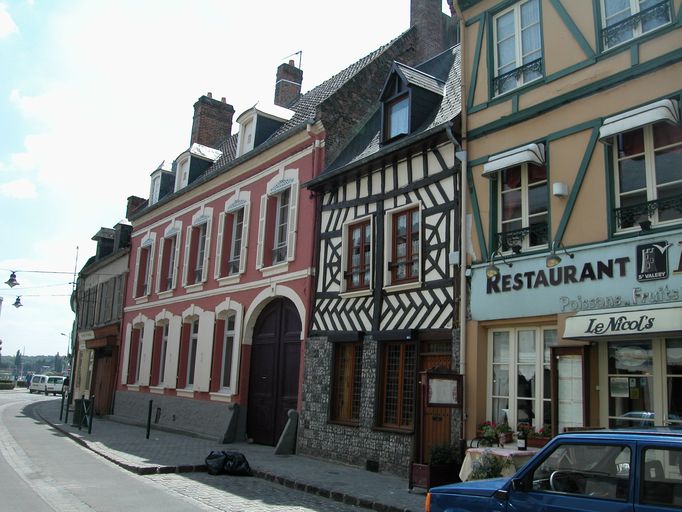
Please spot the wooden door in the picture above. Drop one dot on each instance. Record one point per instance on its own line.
(274, 376)
(436, 421)
(103, 379)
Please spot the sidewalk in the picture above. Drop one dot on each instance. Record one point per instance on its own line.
(164, 452)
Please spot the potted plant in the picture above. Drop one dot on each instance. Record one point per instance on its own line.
(539, 438)
(442, 468)
(504, 433)
(487, 434)
(488, 466)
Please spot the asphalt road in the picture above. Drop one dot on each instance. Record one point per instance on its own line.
(43, 470)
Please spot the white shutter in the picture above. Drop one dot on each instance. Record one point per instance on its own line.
(126, 354)
(150, 273)
(207, 251)
(245, 235)
(146, 356)
(185, 270)
(172, 352)
(202, 365)
(219, 244)
(176, 260)
(137, 271)
(157, 281)
(261, 231)
(293, 217)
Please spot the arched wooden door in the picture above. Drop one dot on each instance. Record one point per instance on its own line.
(273, 380)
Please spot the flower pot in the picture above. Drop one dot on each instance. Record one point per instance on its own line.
(506, 438)
(537, 442)
(431, 475)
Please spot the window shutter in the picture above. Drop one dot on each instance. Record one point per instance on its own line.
(150, 273)
(137, 271)
(217, 365)
(132, 361)
(162, 247)
(260, 249)
(245, 234)
(207, 251)
(183, 356)
(176, 260)
(186, 269)
(156, 356)
(219, 246)
(293, 217)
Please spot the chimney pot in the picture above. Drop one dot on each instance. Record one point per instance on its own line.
(291, 62)
(209, 94)
(223, 99)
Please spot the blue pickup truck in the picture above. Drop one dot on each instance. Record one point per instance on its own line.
(633, 470)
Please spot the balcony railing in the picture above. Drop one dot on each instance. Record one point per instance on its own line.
(499, 82)
(613, 34)
(627, 216)
(513, 240)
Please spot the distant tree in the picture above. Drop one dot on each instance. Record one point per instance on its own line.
(17, 360)
(58, 363)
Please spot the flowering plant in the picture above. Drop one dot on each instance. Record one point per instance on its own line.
(545, 431)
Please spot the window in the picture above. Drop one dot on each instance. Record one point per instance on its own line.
(517, 46)
(232, 233)
(162, 356)
(661, 477)
(623, 20)
(228, 346)
(397, 117)
(347, 382)
(277, 222)
(398, 383)
(169, 249)
(155, 189)
(523, 204)
(135, 354)
(593, 471)
(405, 249)
(144, 269)
(648, 180)
(520, 383)
(358, 266)
(192, 353)
(197, 248)
(182, 176)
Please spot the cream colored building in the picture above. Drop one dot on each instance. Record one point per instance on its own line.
(574, 212)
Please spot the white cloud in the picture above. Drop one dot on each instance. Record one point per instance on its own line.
(7, 25)
(18, 189)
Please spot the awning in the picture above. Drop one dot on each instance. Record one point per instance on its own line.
(663, 110)
(530, 153)
(616, 324)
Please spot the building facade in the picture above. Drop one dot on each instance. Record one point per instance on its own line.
(217, 314)
(574, 173)
(99, 293)
(385, 303)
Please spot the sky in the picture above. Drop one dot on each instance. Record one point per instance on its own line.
(95, 94)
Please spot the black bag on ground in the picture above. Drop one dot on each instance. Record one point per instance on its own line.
(215, 463)
(236, 464)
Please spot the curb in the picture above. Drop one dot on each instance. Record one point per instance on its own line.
(201, 468)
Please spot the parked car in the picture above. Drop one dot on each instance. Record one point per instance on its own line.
(611, 470)
(55, 385)
(38, 384)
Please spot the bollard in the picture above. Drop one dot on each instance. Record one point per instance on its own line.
(68, 401)
(92, 408)
(149, 418)
(61, 408)
(84, 412)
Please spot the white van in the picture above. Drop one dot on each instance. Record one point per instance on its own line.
(38, 384)
(55, 384)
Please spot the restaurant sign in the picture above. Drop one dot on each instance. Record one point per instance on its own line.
(624, 323)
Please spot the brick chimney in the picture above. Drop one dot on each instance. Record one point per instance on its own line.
(134, 204)
(436, 31)
(288, 84)
(212, 122)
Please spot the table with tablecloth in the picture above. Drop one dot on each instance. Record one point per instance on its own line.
(517, 458)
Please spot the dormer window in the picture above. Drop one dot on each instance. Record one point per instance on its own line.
(404, 88)
(182, 175)
(258, 123)
(155, 189)
(397, 119)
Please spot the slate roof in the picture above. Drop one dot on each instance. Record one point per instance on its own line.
(445, 69)
(420, 79)
(305, 108)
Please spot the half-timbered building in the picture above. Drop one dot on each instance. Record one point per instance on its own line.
(222, 255)
(385, 302)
